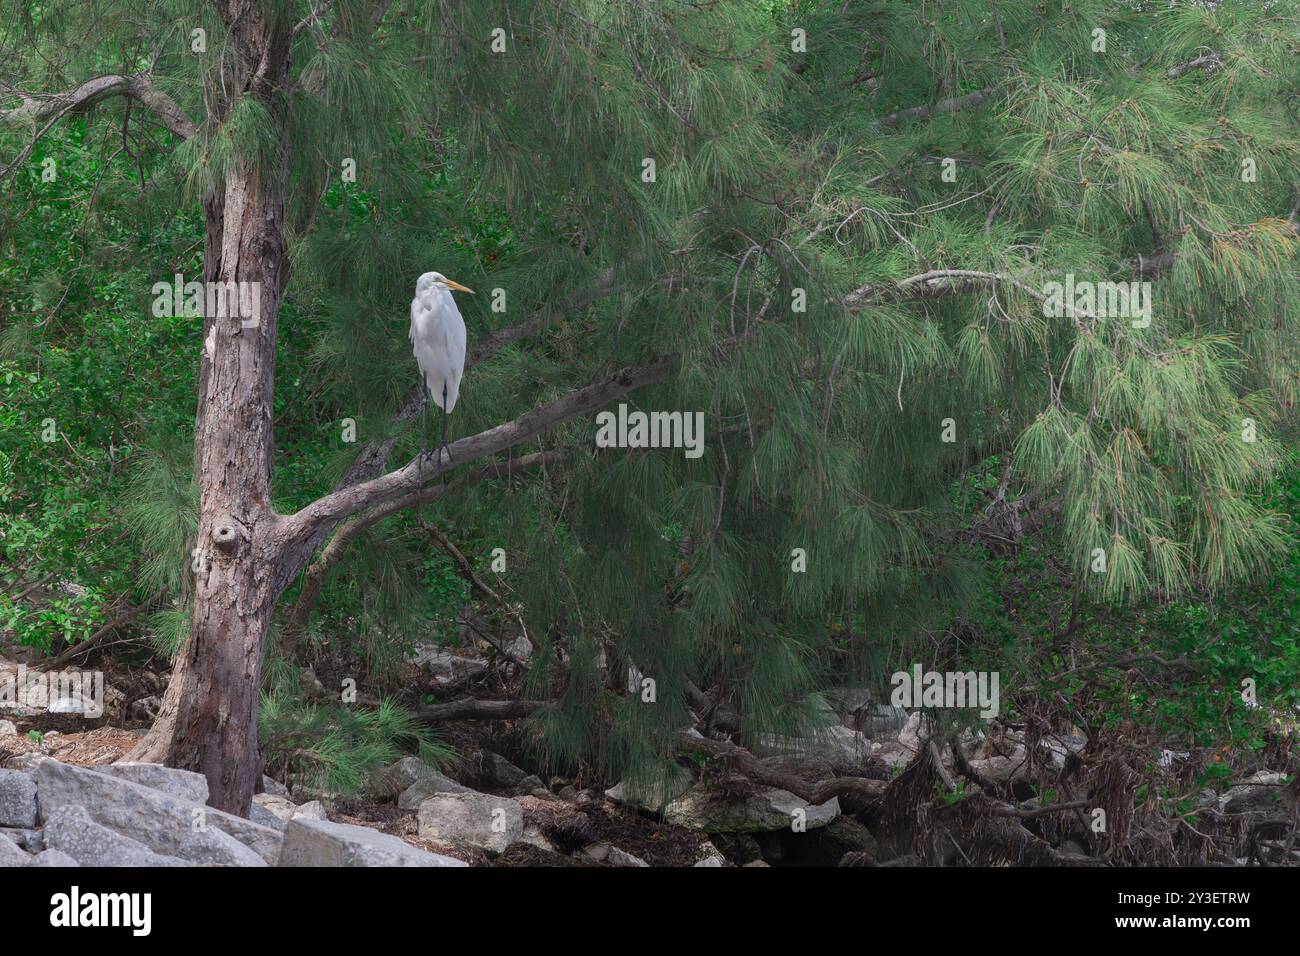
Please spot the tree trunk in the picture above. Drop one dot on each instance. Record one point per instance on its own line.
(208, 720)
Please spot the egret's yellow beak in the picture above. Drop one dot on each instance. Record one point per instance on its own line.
(452, 284)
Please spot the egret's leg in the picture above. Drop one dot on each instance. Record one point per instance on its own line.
(424, 442)
(444, 426)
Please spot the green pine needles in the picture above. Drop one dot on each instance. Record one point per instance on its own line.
(837, 223)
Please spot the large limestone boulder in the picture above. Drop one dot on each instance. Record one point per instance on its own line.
(321, 843)
(70, 829)
(471, 819)
(165, 823)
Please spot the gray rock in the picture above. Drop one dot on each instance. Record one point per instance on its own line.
(915, 733)
(11, 855)
(258, 813)
(765, 808)
(17, 799)
(1060, 746)
(498, 773)
(71, 830)
(520, 648)
(179, 783)
(146, 708)
(160, 820)
(652, 795)
(278, 811)
(611, 855)
(274, 787)
(312, 810)
(422, 790)
(831, 843)
(444, 667)
(471, 819)
(1006, 768)
(893, 754)
(534, 836)
(404, 774)
(712, 856)
(1261, 791)
(53, 858)
(26, 763)
(29, 840)
(8, 728)
(213, 847)
(881, 721)
(849, 699)
(321, 843)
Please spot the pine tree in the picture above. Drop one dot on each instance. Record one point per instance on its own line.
(834, 229)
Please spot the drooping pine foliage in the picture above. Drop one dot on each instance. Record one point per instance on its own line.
(337, 749)
(841, 285)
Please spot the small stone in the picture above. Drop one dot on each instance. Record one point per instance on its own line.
(611, 855)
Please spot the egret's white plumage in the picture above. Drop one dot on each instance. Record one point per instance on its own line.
(438, 340)
(438, 337)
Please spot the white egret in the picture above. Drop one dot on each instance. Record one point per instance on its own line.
(438, 340)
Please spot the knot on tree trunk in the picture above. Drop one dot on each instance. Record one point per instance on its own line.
(226, 535)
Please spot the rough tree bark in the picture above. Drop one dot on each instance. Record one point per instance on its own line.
(208, 718)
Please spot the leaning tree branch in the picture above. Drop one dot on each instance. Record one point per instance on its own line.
(45, 110)
(1206, 61)
(349, 530)
(298, 530)
(950, 105)
(122, 618)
